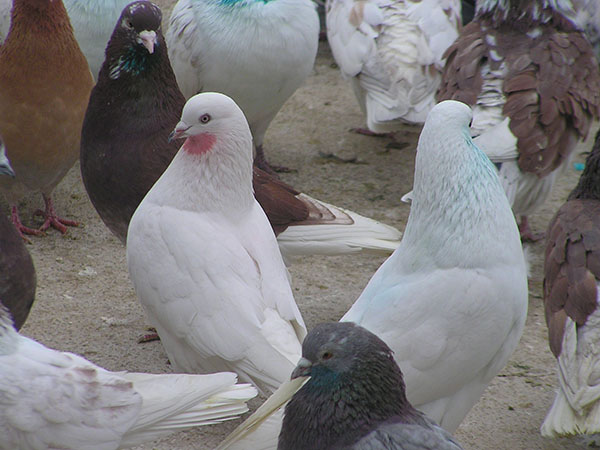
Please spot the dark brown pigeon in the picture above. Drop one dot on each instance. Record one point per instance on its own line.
(125, 149)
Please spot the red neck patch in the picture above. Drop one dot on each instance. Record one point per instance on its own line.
(199, 144)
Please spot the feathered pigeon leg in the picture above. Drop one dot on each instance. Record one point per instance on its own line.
(527, 234)
(16, 220)
(52, 219)
(261, 162)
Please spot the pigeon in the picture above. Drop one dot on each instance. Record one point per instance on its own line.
(392, 53)
(204, 260)
(256, 52)
(571, 295)
(354, 398)
(17, 273)
(451, 301)
(534, 85)
(92, 21)
(51, 399)
(125, 149)
(45, 85)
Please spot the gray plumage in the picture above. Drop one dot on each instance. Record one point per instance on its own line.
(355, 397)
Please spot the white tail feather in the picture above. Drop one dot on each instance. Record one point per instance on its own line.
(363, 234)
(265, 422)
(174, 402)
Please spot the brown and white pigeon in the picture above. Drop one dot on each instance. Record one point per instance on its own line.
(534, 84)
(571, 295)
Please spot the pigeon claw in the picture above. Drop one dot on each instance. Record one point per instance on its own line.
(52, 219)
(527, 234)
(22, 229)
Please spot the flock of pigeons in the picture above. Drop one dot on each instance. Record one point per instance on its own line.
(209, 226)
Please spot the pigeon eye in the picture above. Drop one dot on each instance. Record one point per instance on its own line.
(127, 24)
(205, 118)
(327, 355)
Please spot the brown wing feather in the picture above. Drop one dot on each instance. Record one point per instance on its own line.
(551, 84)
(572, 267)
(462, 78)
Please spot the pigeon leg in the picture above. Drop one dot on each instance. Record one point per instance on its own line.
(527, 234)
(152, 336)
(22, 229)
(52, 219)
(367, 132)
(261, 162)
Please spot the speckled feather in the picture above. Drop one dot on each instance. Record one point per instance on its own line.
(551, 77)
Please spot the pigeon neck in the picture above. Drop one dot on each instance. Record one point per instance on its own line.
(339, 409)
(215, 176)
(459, 213)
(588, 186)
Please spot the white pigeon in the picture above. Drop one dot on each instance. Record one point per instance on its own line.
(58, 400)
(392, 51)
(534, 85)
(256, 52)
(451, 301)
(204, 260)
(571, 300)
(93, 22)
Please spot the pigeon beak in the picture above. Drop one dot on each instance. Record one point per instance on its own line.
(302, 369)
(148, 40)
(5, 167)
(179, 132)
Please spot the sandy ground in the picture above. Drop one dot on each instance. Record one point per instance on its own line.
(86, 303)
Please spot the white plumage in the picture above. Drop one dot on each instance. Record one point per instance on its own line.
(50, 399)
(576, 409)
(256, 52)
(392, 53)
(204, 260)
(451, 301)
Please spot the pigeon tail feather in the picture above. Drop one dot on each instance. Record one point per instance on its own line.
(175, 402)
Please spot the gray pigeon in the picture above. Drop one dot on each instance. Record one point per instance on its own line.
(355, 397)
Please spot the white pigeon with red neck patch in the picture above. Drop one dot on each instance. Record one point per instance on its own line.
(204, 260)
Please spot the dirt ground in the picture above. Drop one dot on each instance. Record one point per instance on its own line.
(86, 303)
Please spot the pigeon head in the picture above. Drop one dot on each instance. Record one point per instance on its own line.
(210, 117)
(331, 350)
(5, 167)
(136, 39)
(354, 385)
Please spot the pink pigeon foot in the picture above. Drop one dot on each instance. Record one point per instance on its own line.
(52, 220)
(261, 162)
(22, 229)
(152, 336)
(527, 234)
